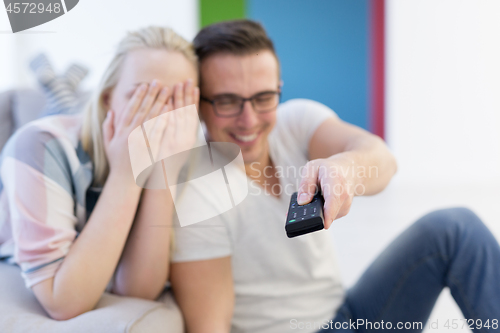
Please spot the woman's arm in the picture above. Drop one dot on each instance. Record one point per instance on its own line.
(88, 267)
(143, 268)
(92, 258)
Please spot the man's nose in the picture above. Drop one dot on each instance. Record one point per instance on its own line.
(248, 117)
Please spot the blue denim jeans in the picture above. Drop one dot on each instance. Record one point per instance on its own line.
(446, 248)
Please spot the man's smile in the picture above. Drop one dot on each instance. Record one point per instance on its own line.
(245, 138)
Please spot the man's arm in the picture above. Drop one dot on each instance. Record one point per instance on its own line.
(204, 292)
(345, 161)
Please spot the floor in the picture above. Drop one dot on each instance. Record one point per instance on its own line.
(374, 221)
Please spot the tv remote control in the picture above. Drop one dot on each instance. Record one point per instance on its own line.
(306, 218)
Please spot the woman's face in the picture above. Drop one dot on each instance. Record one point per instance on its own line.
(146, 65)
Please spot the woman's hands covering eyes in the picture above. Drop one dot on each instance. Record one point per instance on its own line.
(147, 102)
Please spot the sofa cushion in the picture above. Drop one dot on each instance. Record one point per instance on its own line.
(21, 312)
(6, 121)
(27, 105)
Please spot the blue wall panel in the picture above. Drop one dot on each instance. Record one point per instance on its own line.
(323, 49)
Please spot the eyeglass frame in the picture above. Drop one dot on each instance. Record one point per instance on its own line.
(243, 101)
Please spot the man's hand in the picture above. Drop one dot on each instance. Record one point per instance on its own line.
(345, 161)
(334, 177)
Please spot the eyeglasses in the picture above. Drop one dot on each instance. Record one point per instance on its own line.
(231, 105)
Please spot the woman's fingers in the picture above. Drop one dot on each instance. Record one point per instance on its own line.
(149, 99)
(133, 104)
(147, 103)
(188, 92)
(185, 94)
(155, 129)
(170, 104)
(178, 96)
(187, 123)
(107, 127)
(196, 96)
(160, 102)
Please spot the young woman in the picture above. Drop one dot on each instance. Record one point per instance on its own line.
(71, 215)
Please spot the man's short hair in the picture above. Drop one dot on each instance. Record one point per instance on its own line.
(239, 37)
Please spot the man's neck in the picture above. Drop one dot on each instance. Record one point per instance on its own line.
(255, 169)
(266, 178)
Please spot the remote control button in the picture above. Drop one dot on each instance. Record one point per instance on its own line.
(291, 221)
(305, 211)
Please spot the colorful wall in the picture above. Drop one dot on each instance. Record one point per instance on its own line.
(330, 51)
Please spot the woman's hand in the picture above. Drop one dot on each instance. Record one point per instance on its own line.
(180, 134)
(75, 288)
(175, 131)
(147, 102)
(147, 248)
(185, 94)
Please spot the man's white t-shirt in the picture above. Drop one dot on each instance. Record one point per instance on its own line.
(280, 284)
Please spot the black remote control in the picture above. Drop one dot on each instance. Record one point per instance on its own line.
(306, 218)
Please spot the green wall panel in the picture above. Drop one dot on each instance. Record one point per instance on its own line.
(212, 11)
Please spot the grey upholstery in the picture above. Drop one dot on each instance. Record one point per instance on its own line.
(18, 107)
(6, 120)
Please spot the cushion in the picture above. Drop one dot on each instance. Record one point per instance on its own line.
(60, 89)
(27, 105)
(21, 312)
(6, 121)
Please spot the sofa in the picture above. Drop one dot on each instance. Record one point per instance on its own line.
(19, 309)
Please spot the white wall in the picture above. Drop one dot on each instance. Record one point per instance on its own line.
(87, 34)
(443, 114)
(443, 90)
(443, 73)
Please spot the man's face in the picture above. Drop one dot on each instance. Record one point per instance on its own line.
(244, 76)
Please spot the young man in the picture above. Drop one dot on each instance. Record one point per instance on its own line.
(239, 272)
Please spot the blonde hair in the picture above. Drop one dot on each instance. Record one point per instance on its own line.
(92, 137)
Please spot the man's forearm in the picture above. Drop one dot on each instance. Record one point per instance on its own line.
(367, 162)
